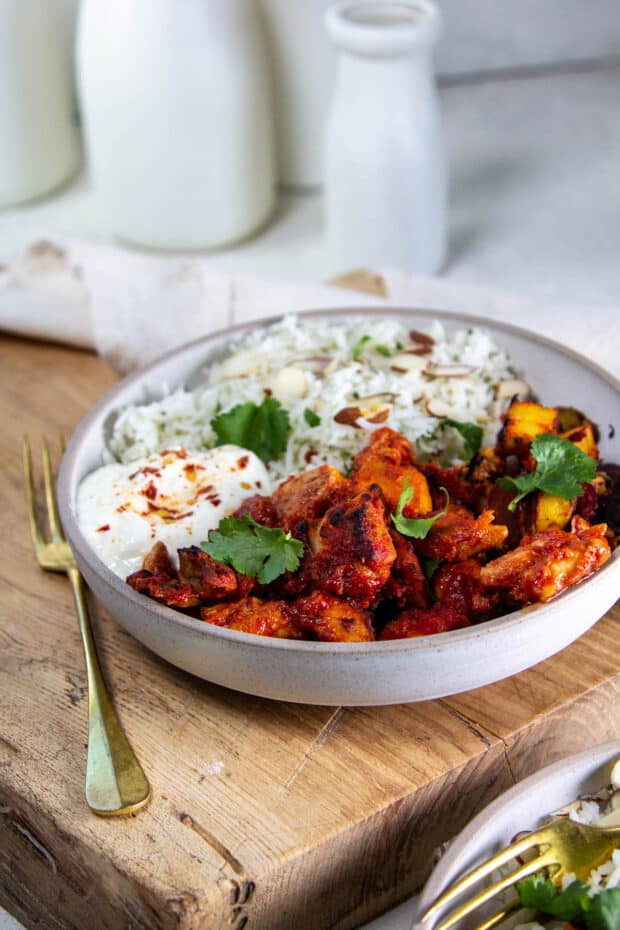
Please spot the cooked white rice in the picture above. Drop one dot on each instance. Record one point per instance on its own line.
(330, 380)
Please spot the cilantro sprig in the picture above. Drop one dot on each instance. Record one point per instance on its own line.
(416, 527)
(262, 552)
(574, 904)
(311, 418)
(561, 469)
(262, 428)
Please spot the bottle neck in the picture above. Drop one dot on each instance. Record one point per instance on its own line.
(404, 74)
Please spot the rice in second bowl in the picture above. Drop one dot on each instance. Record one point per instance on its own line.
(393, 377)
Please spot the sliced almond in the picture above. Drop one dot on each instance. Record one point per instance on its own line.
(450, 371)
(371, 399)
(422, 338)
(407, 361)
(317, 364)
(512, 387)
(434, 407)
(372, 409)
(349, 416)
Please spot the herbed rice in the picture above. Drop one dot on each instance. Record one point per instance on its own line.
(334, 379)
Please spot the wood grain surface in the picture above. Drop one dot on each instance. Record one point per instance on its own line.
(265, 816)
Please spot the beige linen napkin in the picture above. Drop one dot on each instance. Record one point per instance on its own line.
(132, 307)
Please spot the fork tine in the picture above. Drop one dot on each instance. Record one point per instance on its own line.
(35, 530)
(50, 497)
(482, 871)
(498, 916)
(534, 865)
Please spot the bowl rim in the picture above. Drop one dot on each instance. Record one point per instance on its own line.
(596, 755)
(434, 642)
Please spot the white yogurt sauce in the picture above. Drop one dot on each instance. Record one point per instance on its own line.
(175, 497)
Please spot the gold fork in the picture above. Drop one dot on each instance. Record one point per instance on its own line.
(564, 847)
(115, 782)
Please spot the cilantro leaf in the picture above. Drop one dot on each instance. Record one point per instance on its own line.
(251, 549)
(383, 350)
(574, 904)
(561, 469)
(536, 891)
(359, 345)
(604, 912)
(262, 429)
(417, 527)
(471, 433)
(429, 567)
(311, 418)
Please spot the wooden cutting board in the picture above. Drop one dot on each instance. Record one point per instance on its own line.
(264, 815)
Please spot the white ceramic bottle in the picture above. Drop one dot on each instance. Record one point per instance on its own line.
(303, 62)
(39, 140)
(176, 109)
(385, 177)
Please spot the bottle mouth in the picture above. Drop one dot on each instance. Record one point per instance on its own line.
(368, 27)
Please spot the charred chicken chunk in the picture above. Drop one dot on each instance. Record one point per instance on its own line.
(260, 508)
(406, 584)
(459, 587)
(307, 496)
(546, 563)
(457, 535)
(437, 619)
(251, 615)
(352, 550)
(159, 579)
(330, 619)
(211, 580)
(387, 461)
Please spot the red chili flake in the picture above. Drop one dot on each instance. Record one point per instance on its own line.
(246, 485)
(150, 491)
(103, 529)
(309, 455)
(215, 501)
(243, 461)
(258, 484)
(122, 508)
(146, 470)
(180, 453)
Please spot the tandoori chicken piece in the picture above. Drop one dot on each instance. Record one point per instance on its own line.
(198, 578)
(387, 461)
(308, 495)
(211, 580)
(457, 535)
(458, 586)
(260, 508)
(352, 550)
(330, 619)
(251, 615)
(545, 564)
(436, 619)
(406, 584)
(159, 579)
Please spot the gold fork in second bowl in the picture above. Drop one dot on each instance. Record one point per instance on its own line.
(563, 846)
(115, 781)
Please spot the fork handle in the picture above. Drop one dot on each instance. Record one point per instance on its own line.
(115, 782)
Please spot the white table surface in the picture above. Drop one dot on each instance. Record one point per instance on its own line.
(535, 209)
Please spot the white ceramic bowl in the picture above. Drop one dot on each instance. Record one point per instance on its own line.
(351, 673)
(520, 808)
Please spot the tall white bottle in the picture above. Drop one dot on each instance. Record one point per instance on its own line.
(175, 99)
(39, 140)
(385, 176)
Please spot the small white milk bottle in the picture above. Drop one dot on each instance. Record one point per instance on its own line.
(385, 176)
(175, 99)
